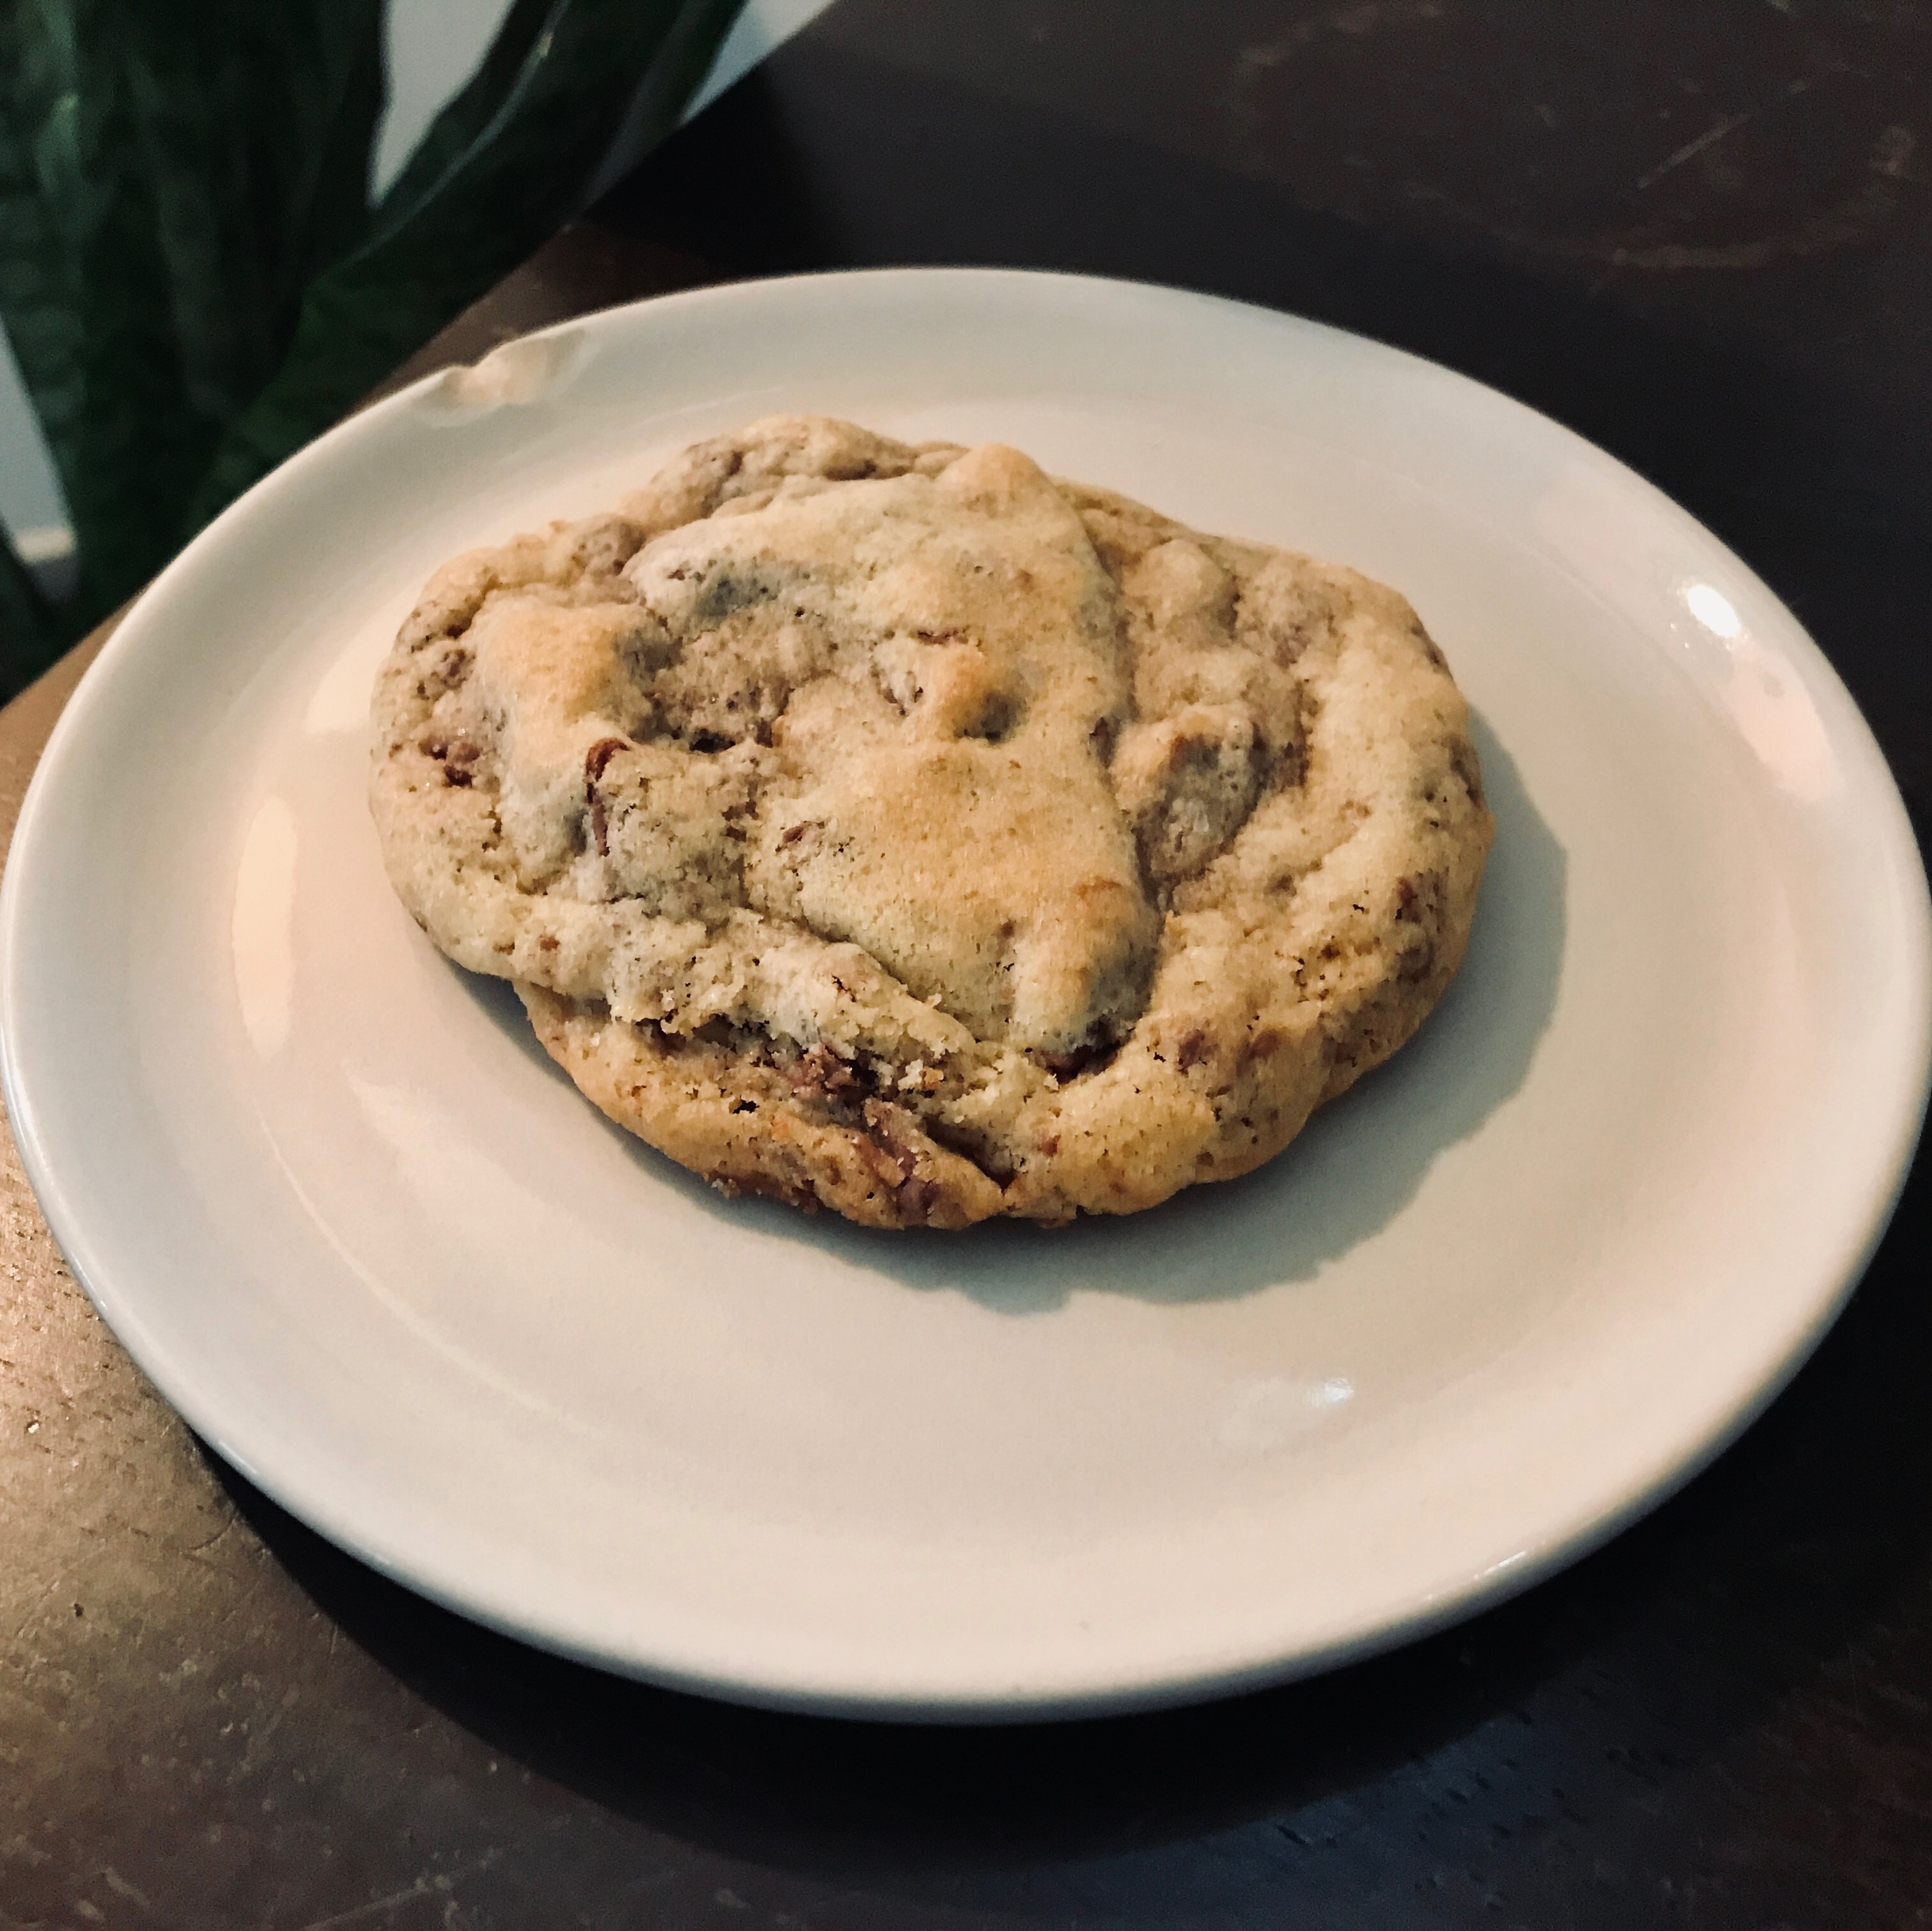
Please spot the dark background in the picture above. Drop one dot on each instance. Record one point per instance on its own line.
(1697, 233)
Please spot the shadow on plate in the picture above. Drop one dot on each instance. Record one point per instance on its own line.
(1348, 1175)
(1695, 1661)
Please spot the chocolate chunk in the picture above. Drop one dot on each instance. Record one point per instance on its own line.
(600, 754)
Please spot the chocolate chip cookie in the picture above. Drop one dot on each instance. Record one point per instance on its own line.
(901, 830)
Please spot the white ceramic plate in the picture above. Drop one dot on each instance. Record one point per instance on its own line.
(1511, 1290)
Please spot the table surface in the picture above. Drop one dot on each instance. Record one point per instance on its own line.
(1700, 234)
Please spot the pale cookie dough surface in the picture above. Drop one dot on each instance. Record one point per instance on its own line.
(899, 830)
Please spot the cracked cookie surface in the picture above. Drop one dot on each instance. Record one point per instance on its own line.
(900, 830)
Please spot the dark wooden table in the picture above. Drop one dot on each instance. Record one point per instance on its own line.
(1699, 233)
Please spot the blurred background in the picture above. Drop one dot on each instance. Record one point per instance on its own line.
(220, 225)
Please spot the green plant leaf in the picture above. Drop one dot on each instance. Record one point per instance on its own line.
(171, 178)
(38, 102)
(37, 325)
(87, 298)
(192, 279)
(512, 158)
(466, 119)
(254, 125)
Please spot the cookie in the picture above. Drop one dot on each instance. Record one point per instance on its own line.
(902, 830)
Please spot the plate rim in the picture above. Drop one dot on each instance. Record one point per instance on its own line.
(1717, 1426)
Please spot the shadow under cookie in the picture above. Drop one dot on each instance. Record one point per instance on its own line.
(1347, 1176)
